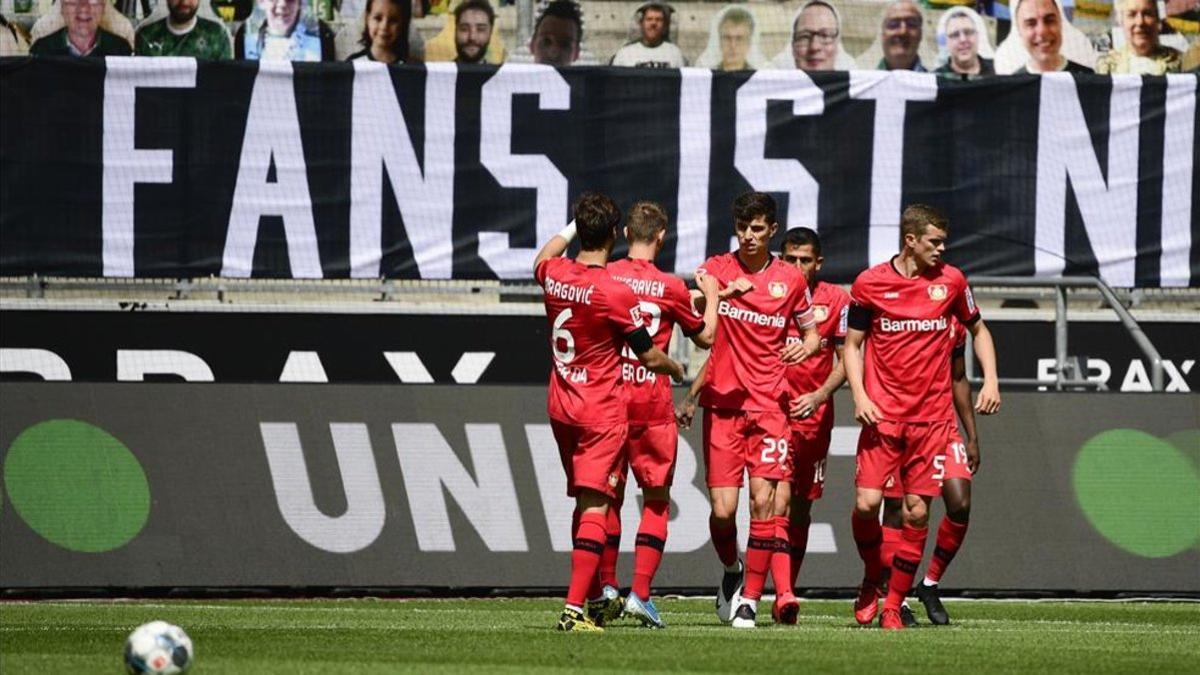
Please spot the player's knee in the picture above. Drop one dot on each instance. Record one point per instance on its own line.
(762, 505)
(916, 515)
(722, 513)
(960, 510)
(866, 506)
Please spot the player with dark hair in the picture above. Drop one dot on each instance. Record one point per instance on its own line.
(653, 436)
(812, 385)
(902, 394)
(745, 396)
(557, 34)
(954, 468)
(592, 317)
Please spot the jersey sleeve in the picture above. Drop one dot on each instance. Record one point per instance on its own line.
(964, 304)
(843, 313)
(862, 305)
(715, 267)
(681, 310)
(624, 313)
(542, 269)
(802, 307)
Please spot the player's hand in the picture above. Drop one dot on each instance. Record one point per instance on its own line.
(973, 455)
(708, 284)
(804, 406)
(793, 353)
(677, 371)
(866, 412)
(739, 286)
(685, 412)
(988, 401)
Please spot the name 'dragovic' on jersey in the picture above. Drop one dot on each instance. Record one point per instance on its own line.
(590, 316)
(830, 305)
(665, 301)
(909, 340)
(745, 371)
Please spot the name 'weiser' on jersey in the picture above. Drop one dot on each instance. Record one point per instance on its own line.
(664, 301)
(907, 362)
(830, 304)
(745, 371)
(590, 315)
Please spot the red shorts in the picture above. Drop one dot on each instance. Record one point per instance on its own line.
(591, 456)
(907, 449)
(737, 441)
(650, 451)
(810, 449)
(950, 464)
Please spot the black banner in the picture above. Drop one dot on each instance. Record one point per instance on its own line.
(128, 486)
(261, 347)
(172, 168)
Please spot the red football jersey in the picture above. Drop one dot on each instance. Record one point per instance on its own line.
(830, 305)
(590, 316)
(909, 343)
(664, 301)
(745, 371)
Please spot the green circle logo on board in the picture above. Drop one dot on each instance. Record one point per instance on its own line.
(1140, 491)
(77, 486)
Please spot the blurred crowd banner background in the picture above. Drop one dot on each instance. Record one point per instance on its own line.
(130, 486)
(173, 168)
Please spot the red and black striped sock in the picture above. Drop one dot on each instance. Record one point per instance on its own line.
(585, 558)
(868, 537)
(950, 537)
(612, 548)
(651, 538)
(759, 550)
(904, 565)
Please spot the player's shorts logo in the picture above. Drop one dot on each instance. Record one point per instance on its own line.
(613, 480)
(890, 482)
(778, 289)
(937, 292)
(820, 313)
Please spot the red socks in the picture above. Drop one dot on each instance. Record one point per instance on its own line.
(651, 537)
(798, 542)
(904, 565)
(612, 548)
(950, 537)
(868, 537)
(724, 539)
(585, 558)
(781, 559)
(891, 542)
(759, 551)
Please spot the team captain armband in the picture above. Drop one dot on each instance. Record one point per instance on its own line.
(639, 340)
(859, 318)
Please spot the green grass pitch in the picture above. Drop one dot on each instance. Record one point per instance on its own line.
(516, 635)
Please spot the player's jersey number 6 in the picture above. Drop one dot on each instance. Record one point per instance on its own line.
(566, 355)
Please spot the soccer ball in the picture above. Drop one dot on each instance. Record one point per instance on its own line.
(158, 648)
